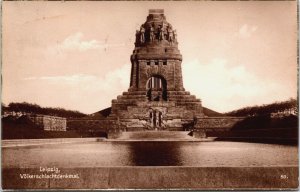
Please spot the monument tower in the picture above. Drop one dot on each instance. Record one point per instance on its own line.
(156, 98)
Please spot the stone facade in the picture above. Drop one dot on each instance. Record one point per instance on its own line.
(156, 98)
(89, 124)
(202, 126)
(217, 122)
(50, 123)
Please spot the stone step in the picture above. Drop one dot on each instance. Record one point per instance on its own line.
(124, 102)
(178, 93)
(155, 135)
(132, 97)
(185, 100)
(120, 106)
(182, 97)
(156, 104)
(135, 93)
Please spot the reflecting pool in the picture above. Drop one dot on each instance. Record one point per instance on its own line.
(168, 153)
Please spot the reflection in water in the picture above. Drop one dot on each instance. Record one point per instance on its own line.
(105, 154)
(155, 153)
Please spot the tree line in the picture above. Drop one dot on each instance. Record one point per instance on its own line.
(25, 107)
(288, 106)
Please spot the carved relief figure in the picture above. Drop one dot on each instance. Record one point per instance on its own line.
(170, 34)
(161, 33)
(152, 35)
(142, 34)
(160, 119)
(154, 118)
(137, 35)
(157, 119)
(151, 118)
(175, 36)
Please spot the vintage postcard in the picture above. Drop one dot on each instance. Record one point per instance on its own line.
(189, 95)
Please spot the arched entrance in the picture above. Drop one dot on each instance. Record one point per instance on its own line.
(156, 88)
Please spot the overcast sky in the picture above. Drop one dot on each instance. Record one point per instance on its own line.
(76, 55)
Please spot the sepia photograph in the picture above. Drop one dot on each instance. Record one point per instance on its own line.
(149, 95)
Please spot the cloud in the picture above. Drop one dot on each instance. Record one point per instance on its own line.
(225, 88)
(115, 79)
(119, 76)
(75, 42)
(69, 79)
(93, 92)
(246, 31)
(220, 87)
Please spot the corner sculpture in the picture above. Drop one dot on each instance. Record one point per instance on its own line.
(164, 31)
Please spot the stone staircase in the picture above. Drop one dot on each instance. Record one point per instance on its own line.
(132, 110)
(157, 135)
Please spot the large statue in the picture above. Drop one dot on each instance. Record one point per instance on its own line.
(154, 118)
(165, 31)
(161, 33)
(175, 36)
(142, 34)
(160, 119)
(152, 35)
(170, 34)
(151, 117)
(157, 119)
(137, 36)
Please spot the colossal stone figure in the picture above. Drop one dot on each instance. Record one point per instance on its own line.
(152, 35)
(160, 119)
(161, 33)
(175, 36)
(170, 34)
(157, 119)
(154, 118)
(137, 37)
(151, 117)
(142, 34)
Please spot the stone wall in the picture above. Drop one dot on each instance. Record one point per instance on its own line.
(205, 125)
(89, 124)
(253, 128)
(217, 122)
(280, 133)
(111, 128)
(141, 122)
(50, 123)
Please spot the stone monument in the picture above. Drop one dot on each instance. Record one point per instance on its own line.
(156, 98)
